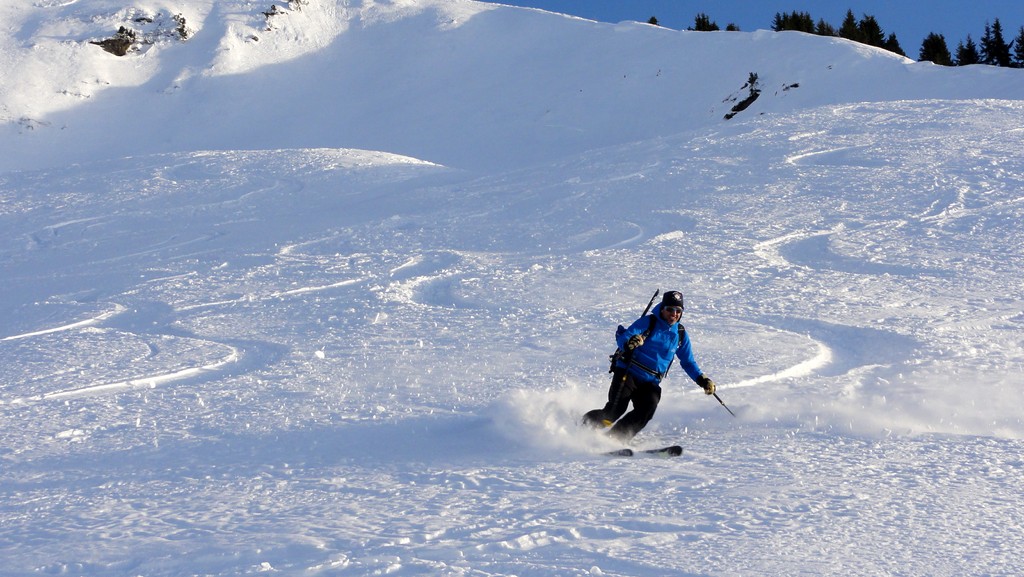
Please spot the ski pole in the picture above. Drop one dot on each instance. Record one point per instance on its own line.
(651, 302)
(723, 404)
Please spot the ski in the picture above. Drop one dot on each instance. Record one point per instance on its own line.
(669, 451)
(619, 453)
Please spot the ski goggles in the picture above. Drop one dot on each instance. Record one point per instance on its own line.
(673, 310)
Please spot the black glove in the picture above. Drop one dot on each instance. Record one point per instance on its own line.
(707, 384)
(634, 342)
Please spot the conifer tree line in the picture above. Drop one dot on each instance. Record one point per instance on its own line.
(993, 48)
(867, 30)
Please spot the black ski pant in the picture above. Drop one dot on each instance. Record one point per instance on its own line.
(623, 390)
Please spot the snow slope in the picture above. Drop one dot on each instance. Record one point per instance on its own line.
(506, 87)
(330, 302)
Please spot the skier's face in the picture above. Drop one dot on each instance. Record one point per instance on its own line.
(671, 314)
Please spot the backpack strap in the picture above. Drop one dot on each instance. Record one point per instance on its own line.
(650, 327)
(682, 333)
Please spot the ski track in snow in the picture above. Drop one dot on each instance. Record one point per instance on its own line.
(116, 309)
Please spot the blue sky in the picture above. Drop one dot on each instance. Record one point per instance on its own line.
(911, 20)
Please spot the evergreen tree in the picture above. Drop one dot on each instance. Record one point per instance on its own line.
(986, 42)
(823, 28)
(803, 22)
(866, 31)
(893, 45)
(934, 49)
(870, 31)
(967, 53)
(849, 28)
(653, 20)
(994, 48)
(702, 23)
(799, 21)
(732, 27)
(1018, 49)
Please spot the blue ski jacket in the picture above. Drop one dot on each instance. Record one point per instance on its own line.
(652, 359)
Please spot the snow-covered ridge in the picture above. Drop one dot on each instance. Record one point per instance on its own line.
(453, 81)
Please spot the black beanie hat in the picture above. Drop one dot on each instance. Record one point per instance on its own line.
(672, 299)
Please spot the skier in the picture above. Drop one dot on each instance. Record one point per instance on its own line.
(647, 347)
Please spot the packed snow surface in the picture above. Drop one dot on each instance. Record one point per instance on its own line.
(325, 292)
